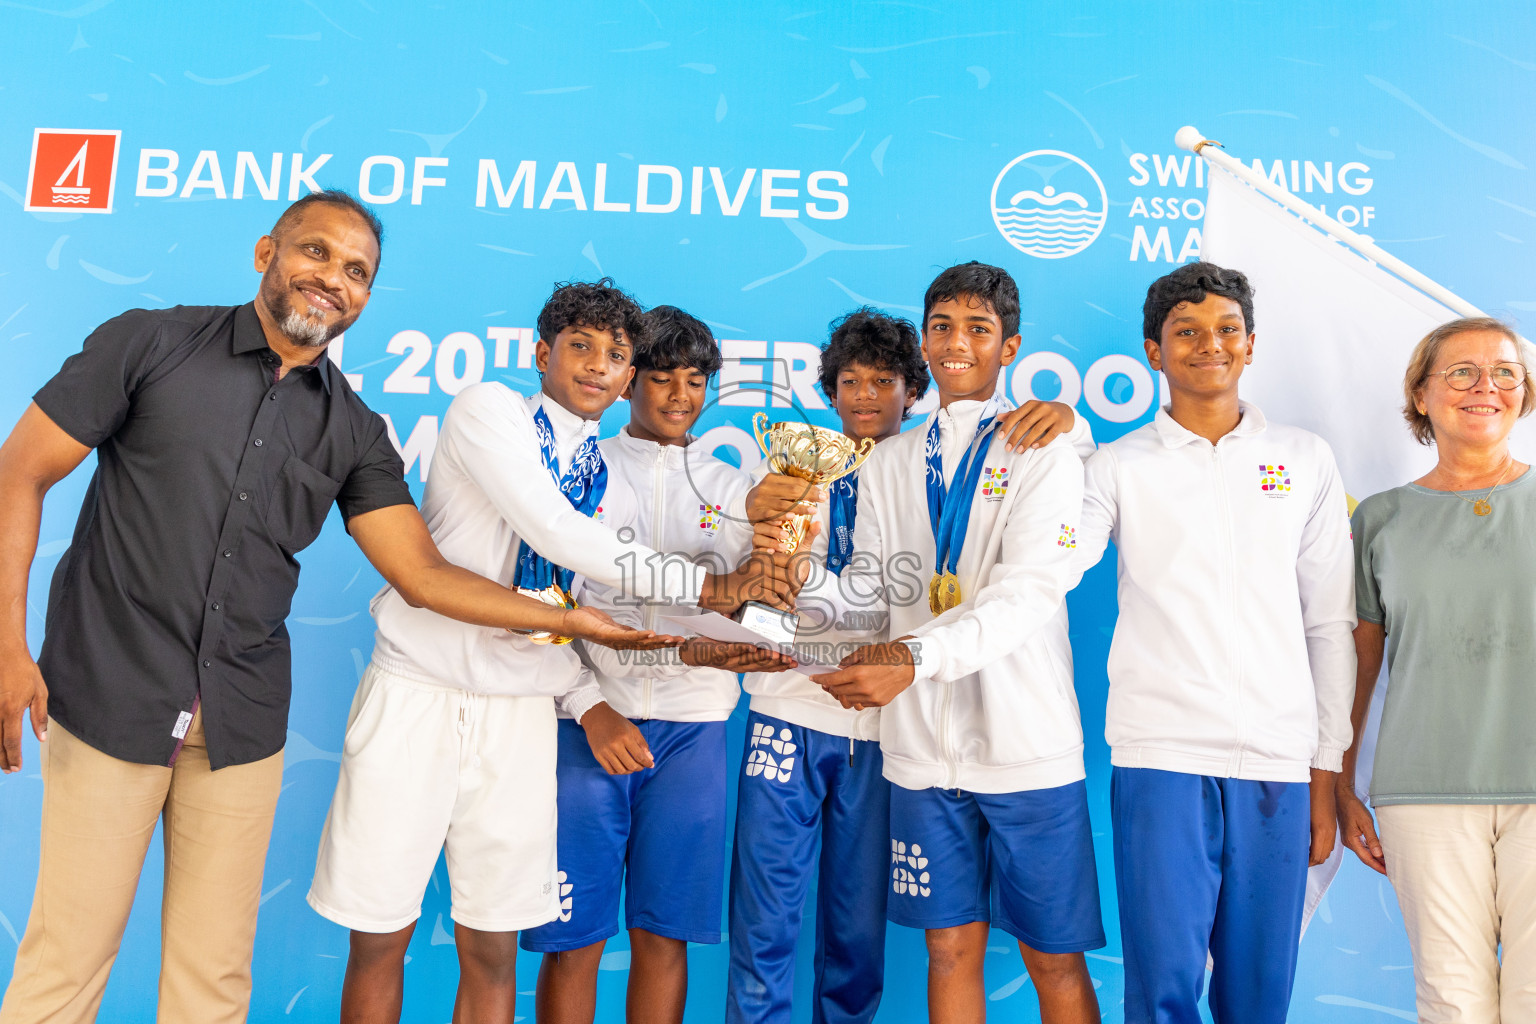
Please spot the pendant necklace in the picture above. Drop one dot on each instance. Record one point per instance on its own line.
(1481, 506)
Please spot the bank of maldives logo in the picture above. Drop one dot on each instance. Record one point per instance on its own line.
(72, 170)
(1049, 204)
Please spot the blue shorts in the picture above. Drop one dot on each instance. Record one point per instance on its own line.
(1023, 861)
(658, 835)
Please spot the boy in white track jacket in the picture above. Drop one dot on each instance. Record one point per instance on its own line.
(628, 820)
(452, 736)
(1232, 669)
(970, 542)
(812, 770)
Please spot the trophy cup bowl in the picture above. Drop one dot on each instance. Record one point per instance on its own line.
(818, 456)
(807, 452)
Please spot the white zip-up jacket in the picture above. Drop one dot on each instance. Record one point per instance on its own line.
(1233, 655)
(489, 489)
(682, 496)
(991, 708)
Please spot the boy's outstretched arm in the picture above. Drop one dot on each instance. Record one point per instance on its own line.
(396, 540)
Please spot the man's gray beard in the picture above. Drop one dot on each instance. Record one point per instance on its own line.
(304, 332)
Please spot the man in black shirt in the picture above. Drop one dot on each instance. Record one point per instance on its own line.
(223, 435)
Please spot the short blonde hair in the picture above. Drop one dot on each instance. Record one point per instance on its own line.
(1427, 352)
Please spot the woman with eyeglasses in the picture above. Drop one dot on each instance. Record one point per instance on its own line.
(1445, 587)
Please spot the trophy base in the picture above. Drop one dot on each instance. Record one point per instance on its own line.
(775, 626)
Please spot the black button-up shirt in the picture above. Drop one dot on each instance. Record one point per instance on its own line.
(211, 476)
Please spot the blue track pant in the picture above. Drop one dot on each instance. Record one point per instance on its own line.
(832, 793)
(1216, 864)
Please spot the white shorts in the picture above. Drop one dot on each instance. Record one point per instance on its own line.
(427, 767)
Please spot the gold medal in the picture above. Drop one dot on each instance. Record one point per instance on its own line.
(554, 595)
(943, 592)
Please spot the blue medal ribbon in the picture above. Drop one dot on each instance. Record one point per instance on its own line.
(844, 506)
(583, 485)
(949, 509)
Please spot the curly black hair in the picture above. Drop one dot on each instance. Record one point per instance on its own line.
(872, 338)
(993, 286)
(678, 341)
(600, 305)
(1191, 283)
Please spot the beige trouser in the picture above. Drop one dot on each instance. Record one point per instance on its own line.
(98, 816)
(1465, 876)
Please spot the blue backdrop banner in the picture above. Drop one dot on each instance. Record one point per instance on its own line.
(766, 167)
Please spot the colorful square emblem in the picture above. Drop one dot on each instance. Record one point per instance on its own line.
(1274, 480)
(1068, 537)
(994, 483)
(709, 517)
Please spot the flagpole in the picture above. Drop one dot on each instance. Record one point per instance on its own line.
(1191, 139)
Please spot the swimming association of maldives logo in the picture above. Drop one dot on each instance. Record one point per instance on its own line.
(994, 483)
(1049, 204)
(72, 169)
(1274, 481)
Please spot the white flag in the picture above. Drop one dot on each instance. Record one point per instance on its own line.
(1334, 334)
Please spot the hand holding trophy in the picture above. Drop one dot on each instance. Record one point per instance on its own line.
(818, 456)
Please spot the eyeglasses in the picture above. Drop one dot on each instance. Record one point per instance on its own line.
(1465, 376)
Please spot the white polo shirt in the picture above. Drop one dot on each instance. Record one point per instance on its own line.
(1233, 654)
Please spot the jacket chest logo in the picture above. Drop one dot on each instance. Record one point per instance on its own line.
(598, 514)
(994, 483)
(709, 518)
(1274, 480)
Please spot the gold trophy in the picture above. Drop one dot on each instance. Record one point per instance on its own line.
(818, 456)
